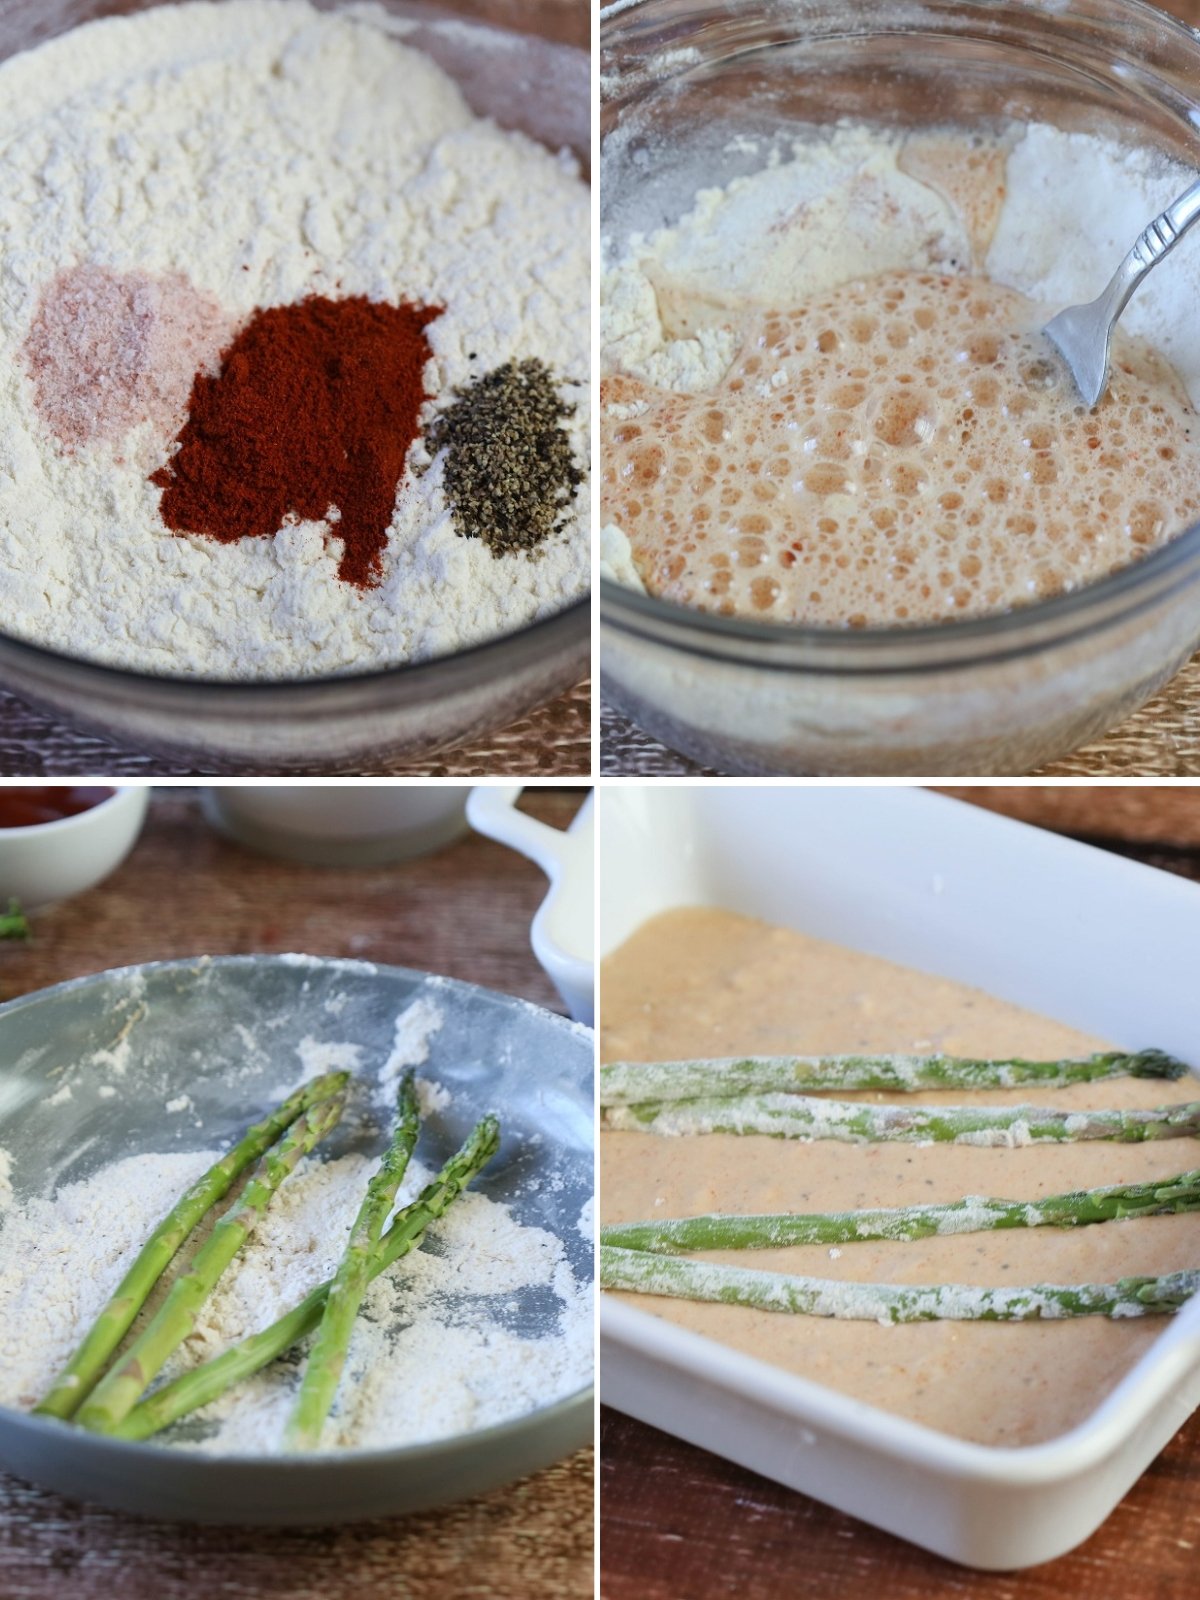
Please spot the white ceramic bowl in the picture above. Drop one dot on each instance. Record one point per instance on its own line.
(340, 825)
(562, 933)
(55, 860)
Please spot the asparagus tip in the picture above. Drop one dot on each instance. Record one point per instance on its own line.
(1157, 1064)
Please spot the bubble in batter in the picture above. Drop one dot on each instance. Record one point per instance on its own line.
(907, 448)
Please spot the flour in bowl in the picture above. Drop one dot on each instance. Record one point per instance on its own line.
(172, 179)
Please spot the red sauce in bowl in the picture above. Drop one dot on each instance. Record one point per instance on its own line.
(27, 807)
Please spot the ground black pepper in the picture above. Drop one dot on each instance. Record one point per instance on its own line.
(510, 472)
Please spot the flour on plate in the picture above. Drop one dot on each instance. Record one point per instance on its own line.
(415, 1028)
(485, 1323)
(268, 151)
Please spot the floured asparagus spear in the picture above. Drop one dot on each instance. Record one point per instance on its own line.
(124, 1385)
(795, 1116)
(328, 1355)
(669, 1235)
(643, 1273)
(86, 1366)
(208, 1382)
(625, 1083)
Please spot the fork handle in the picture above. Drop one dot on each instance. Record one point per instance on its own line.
(1155, 241)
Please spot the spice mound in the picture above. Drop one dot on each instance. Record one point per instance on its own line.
(510, 473)
(108, 349)
(310, 417)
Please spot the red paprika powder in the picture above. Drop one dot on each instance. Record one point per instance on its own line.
(312, 413)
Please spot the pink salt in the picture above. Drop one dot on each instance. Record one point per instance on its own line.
(110, 350)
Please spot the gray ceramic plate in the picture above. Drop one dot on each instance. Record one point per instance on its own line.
(492, 1053)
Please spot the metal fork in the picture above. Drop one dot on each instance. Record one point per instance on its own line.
(1083, 334)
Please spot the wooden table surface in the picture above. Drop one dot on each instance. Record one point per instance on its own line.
(465, 912)
(679, 1522)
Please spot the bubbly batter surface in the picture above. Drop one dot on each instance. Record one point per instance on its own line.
(905, 448)
(701, 982)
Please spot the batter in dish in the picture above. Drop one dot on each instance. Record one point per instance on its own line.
(703, 982)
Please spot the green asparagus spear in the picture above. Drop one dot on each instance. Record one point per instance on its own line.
(85, 1368)
(13, 923)
(208, 1382)
(625, 1083)
(642, 1273)
(795, 1116)
(328, 1356)
(123, 1386)
(669, 1235)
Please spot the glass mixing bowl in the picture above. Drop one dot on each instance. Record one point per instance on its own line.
(681, 78)
(342, 723)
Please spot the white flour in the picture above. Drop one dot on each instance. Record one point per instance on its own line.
(1108, 191)
(442, 1346)
(735, 246)
(415, 1027)
(739, 245)
(268, 151)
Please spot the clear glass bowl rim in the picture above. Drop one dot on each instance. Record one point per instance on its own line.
(917, 647)
(470, 664)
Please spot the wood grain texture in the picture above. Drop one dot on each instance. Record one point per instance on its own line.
(678, 1521)
(552, 742)
(465, 912)
(534, 1538)
(1116, 815)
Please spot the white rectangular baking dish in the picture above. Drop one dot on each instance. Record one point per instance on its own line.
(1103, 944)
